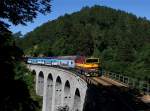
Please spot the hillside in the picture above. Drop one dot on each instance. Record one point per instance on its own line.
(120, 39)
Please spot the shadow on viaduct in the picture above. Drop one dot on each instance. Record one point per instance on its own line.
(59, 88)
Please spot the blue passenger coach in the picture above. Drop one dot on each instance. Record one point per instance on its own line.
(67, 61)
(51, 61)
(36, 60)
(62, 61)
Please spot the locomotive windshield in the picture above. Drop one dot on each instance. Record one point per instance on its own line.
(92, 60)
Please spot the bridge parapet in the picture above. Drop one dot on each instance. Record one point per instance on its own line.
(142, 86)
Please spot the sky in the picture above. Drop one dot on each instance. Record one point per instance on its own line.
(60, 7)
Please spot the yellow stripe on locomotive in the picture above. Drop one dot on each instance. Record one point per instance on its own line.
(90, 63)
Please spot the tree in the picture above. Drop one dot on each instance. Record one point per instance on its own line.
(22, 11)
(17, 34)
(15, 95)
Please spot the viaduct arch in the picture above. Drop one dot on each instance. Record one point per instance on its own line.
(59, 88)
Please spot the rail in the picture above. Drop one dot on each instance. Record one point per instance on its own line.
(142, 86)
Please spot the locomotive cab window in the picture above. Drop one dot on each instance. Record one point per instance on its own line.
(92, 60)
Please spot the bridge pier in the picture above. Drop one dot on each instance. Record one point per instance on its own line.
(40, 83)
(58, 93)
(44, 107)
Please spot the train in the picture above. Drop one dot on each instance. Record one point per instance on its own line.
(88, 66)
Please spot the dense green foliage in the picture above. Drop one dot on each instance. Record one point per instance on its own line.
(16, 82)
(120, 39)
(24, 75)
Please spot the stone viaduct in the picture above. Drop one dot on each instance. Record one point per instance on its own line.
(59, 88)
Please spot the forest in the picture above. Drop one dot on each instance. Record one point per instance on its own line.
(120, 39)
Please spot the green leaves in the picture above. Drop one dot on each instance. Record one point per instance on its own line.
(20, 12)
(119, 38)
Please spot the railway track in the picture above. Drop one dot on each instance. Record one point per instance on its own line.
(113, 92)
(102, 80)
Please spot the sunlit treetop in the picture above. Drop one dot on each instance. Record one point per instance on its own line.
(22, 11)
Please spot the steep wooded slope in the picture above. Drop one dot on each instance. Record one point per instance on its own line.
(120, 39)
